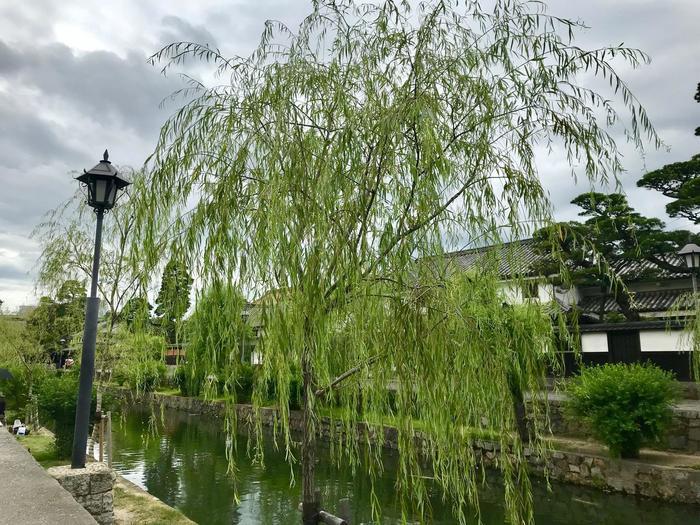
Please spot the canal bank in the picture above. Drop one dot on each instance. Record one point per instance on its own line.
(130, 504)
(181, 458)
(663, 476)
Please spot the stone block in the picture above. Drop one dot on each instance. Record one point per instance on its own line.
(94, 504)
(106, 518)
(108, 500)
(101, 478)
(574, 468)
(677, 442)
(75, 481)
(91, 487)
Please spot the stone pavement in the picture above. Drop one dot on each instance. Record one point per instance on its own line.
(685, 405)
(29, 495)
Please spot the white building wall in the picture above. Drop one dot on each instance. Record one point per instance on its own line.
(664, 341)
(546, 292)
(594, 342)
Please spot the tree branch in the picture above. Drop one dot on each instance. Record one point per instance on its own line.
(345, 375)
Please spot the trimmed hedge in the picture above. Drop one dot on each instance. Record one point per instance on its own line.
(625, 405)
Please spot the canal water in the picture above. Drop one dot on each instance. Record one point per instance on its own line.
(184, 464)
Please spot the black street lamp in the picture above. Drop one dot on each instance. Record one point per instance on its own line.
(691, 254)
(103, 183)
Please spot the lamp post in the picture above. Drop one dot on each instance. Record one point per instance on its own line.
(103, 182)
(691, 254)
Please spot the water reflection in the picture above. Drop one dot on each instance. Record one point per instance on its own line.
(185, 465)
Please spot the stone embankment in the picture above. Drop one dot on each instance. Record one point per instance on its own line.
(91, 486)
(670, 482)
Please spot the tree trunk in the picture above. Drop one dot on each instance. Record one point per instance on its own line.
(33, 412)
(310, 503)
(521, 419)
(624, 301)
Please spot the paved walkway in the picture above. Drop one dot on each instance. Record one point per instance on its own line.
(689, 405)
(29, 495)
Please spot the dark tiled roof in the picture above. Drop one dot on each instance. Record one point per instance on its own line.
(647, 324)
(655, 301)
(517, 258)
(520, 258)
(634, 268)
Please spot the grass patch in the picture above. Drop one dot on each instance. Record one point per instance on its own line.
(168, 391)
(40, 445)
(132, 506)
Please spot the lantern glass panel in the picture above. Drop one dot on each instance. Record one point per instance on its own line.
(101, 188)
(112, 195)
(692, 260)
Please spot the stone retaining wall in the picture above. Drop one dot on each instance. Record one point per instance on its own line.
(91, 486)
(675, 484)
(631, 477)
(683, 435)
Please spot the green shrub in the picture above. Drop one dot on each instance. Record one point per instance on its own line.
(57, 398)
(140, 376)
(625, 406)
(295, 392)
(245, 381)
(140, 365)
(191, 382)
(188, 381)
(16, 389)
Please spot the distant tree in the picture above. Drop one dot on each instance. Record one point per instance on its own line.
(613, 231)
(137, 310)
(679, 181)
(215, 331)
(173, 299)
(56, 320)
(66, 236)
(21, 353)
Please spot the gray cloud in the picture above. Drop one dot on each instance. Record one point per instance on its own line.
(10, 273)
(71, 85)
(26, 138)
(665, 87)
(100, 84)
(175, 29)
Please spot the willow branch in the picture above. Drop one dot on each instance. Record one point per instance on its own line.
(349, 373)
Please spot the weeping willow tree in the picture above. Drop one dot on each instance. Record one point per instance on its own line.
(333, 168)
(216, 336)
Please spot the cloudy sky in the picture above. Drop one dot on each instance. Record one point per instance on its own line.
(74, 79)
